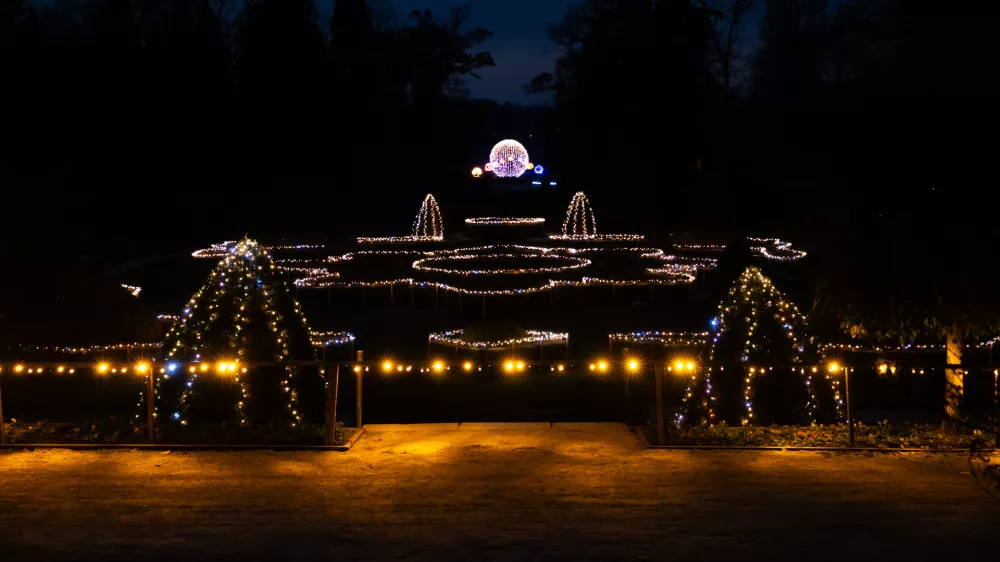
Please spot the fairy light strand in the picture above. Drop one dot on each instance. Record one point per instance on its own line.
(532, 337)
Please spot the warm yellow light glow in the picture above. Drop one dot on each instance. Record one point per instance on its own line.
(559, 368)
(141, 368)
(18, 368)
(592, 366)
(690, 366)
(357, 368)
(520, 365)
(204, 367)
(477, 171)
(102, 368)
(509, 366)
(60, 369)
(834, 367)
(633, 365)
(883, 368)
(467, 366)
(387, 366)
(602, 366)
(679, 365)
(191, 369)
(438, 366)
(222, 366)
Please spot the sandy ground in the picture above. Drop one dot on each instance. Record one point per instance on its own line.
(492, 495)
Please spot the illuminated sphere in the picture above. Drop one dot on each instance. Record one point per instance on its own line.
(477, 171)
(509, 159)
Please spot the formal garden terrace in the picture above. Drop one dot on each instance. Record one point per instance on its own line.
(691, 342)
(283, 336)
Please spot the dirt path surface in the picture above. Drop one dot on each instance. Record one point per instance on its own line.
(491, 495)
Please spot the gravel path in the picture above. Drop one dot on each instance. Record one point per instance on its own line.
(491, 495)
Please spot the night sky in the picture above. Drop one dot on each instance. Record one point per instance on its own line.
(520, 44)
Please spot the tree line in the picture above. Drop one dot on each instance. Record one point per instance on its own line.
(210, 86)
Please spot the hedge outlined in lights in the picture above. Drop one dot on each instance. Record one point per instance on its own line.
(531, 338)
(504, 221)
(770, 248)
(669, 274)
(574, 263)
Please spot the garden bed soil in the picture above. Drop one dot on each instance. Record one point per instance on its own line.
(881, 436)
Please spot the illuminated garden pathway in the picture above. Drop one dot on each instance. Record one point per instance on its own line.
(487, 495)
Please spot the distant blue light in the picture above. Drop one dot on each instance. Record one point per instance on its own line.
(536, 183)
(552, 183)
(171, 367)
(176, 415)
(539, 169)
(714, 322)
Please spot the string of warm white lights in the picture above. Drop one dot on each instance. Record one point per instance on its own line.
(574, 263)
(326, 339)
(678, 270)
(532, 337)
(776, 249)
(700, 247)
(83, 349)
(858, 348)
(550, 285)
(504, 221)
(770, 248)
(663, 338)
(670, 274)
(132, 289)
(598, 237)
(222, 249)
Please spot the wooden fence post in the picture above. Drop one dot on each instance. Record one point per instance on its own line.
(359, 373)
(331, 408)
(660, 429)
(150, 398)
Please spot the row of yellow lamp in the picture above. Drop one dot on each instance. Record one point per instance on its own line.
(388, 367)
(141, 368)
(513, 365)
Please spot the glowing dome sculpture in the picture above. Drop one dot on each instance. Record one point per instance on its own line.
(509, 159)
